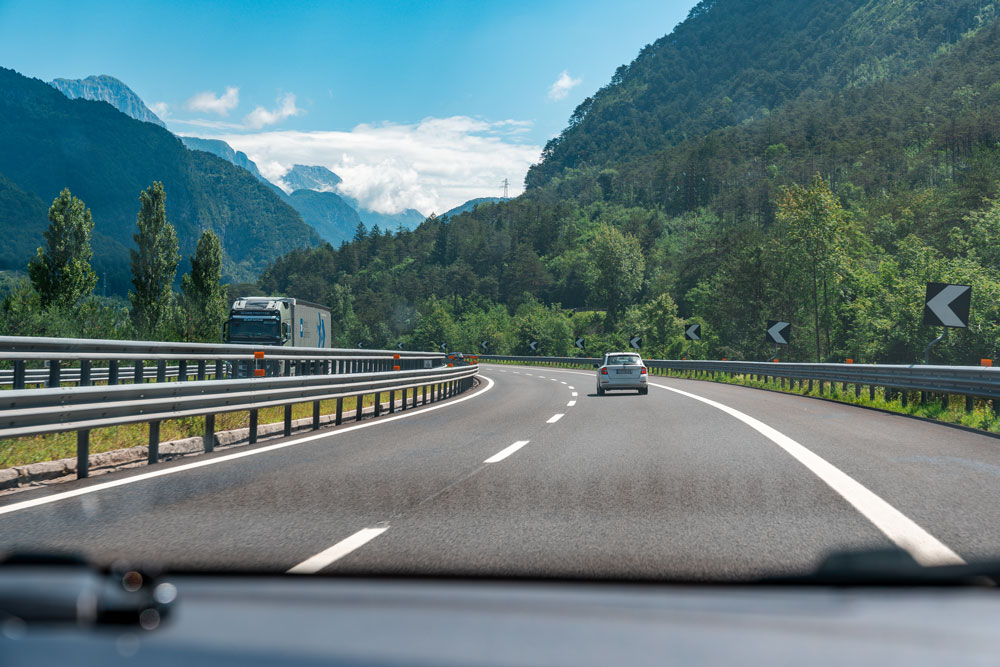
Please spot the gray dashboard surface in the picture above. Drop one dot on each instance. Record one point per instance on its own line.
(312, 621)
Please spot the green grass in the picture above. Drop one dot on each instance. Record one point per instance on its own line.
(948, 409)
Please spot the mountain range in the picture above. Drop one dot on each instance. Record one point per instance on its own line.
(49, 142)
(108, 89)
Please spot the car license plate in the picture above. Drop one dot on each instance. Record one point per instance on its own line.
(623, 371)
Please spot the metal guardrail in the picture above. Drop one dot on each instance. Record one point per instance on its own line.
(969, 381)
(85, 361)
(308, 375)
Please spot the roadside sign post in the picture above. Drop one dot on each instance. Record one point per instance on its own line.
(946, 306)
(779, 333)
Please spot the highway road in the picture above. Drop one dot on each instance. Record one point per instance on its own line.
(532, 474)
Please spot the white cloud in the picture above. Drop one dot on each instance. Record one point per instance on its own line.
(260, 116)
(211, 103)
(432, 166)
(160, 109)
(560, 89)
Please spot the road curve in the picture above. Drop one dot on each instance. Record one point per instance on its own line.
(533, 474)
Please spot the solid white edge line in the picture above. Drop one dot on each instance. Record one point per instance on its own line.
(554, 418)
(44, 500)
(571, 404)
(506, 451)
(329, 556)
(903, 531)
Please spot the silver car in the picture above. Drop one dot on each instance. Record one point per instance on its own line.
(622, 370)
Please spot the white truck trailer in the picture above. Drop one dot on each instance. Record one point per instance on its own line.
(273, 320)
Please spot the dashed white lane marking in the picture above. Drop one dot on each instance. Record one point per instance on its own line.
(572, 387)
(563, 382)
(573, 394)
(554, 418)
(571, 404)
(555, 380)
(337, 551)
(506, 451)
(44, 500)
(903, 531)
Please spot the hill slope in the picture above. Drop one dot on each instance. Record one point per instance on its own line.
(331, 217)
(734, 60)
(48, 142)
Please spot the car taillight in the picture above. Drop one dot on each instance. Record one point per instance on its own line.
(604, 371)
(642, 371)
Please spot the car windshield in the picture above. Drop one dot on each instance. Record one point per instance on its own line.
(784, 214)
(240, 328)
(623, 359)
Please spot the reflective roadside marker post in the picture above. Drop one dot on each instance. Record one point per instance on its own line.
(946, 306)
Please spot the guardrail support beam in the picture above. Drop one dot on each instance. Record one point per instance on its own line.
(19, 374)
(154, 443)
(54, 373)
(209, 438)
(112, 372)
(138, 374)
(288, 420)
(359, 407)
(315, 415)
(161, 370)
(82, 454)
(252, 436)
(340, 411)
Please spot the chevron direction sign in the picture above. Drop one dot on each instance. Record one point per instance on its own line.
(947, 305)
(693, 332)
(778, 332)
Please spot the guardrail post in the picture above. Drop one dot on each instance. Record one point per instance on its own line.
(138, 374)
(871, 392)
(154, 443)
(82, 454)
(378, 403)
(112, 372)
(161, 370)
(252, 436)
(220, 372)
(84, 373)
(969, 403)
(209, 439)
(201, 369)
(359, 408)
(54, 373)
(315, 415)
(288, 420)
(423, 395)
(340, 411)
(903, 398)
(392, 401)
(19, 374)
(405, 393)
(182, 370)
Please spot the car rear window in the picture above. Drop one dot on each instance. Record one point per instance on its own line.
(618, 359)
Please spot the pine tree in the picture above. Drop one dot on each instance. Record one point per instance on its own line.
(204, 297)
(61, 270)
(154, 264)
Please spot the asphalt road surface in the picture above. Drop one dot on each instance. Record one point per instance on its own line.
(532, 474)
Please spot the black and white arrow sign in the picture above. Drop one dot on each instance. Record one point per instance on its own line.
(444, 347)
(693, 332)
(579, 343)
(484, 344)
(399, 346)
(361, 344)
(533, 345)
(778, 332)
(947, 305)
(635, 342)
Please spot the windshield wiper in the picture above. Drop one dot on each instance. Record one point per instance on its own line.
(891, 567)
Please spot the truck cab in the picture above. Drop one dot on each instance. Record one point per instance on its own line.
(276, 321)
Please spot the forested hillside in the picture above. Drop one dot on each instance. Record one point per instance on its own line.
(873, 171)
(49, 142)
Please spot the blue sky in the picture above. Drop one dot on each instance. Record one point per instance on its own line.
(419, 104)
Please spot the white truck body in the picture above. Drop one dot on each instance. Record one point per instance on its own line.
(270, 320)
